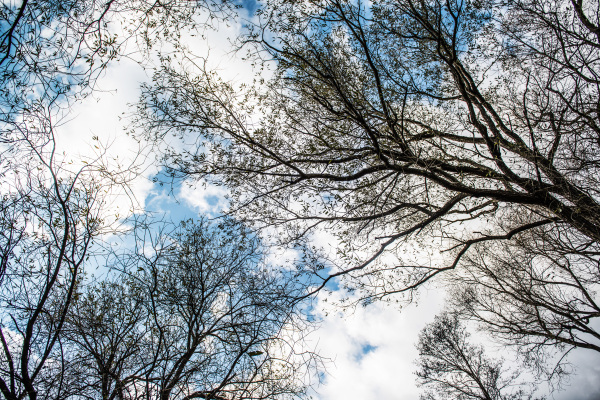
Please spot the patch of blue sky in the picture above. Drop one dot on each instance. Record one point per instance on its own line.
(164, 209)
(365, 348)
(249, 5)
(168, 199)
(164, 201)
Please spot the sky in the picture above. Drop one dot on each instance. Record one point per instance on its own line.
(372, 348)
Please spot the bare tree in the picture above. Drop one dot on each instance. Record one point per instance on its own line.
(52, 52)
(104, 334)
(537, 291)
(51, 212)
(449, 367)
(416, 131)
(194, 314)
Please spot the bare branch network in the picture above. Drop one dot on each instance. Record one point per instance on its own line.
(451, 143)
(450, 139)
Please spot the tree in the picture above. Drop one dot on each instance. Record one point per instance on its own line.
(52, 52)
(537, 291)
(50, 214)
(53, 207)
(195, 313)
(416, 131)
(49, 48)
(450, 367)
(51, 211)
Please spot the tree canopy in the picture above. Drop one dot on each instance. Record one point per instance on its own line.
(448, 142)
(192, 313)
(430, 136)
(450, 367)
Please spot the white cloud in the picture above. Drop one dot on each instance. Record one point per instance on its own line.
(204, 197)
(373, 348)
(96, 132)
(100, 121)
(373, 351)
(584, 384)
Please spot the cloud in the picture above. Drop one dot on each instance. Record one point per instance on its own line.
(584, 384)
(372, 348)
(204, 197)
(99, 122)
(95, 132)
(373, 351)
